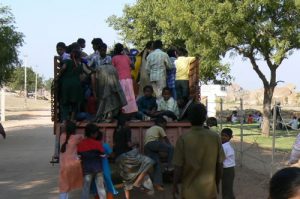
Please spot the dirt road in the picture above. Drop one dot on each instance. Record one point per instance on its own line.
(27, 174)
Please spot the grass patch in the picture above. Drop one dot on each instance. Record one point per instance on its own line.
(284, 140)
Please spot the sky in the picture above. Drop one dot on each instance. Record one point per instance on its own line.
(44, 23)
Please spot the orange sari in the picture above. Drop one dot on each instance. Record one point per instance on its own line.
(70, 172)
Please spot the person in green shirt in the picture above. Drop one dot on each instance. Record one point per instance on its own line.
(198, 159)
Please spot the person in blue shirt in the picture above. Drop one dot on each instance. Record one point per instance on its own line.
(146, 104)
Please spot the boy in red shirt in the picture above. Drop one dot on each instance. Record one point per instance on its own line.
(90, 151)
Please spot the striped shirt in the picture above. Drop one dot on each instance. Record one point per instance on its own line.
(157, 63)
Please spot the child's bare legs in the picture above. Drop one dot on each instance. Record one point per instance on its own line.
(137, 183)
(139, 179)
(127, 194)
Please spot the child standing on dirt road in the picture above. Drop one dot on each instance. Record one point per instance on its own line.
(228, 165)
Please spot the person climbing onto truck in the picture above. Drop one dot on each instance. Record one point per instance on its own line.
(71, 91)
(155, 142)
(128, 156)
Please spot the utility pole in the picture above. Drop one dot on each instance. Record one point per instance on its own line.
(35, 89)
(25, 81)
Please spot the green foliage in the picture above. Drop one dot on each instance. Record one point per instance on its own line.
(48, 83)
(297, 2)
(10, 40)
(17, 80)
(262, 29)
(169, 21)
(267, 30)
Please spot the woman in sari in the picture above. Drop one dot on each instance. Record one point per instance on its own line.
(133, 165)
(109, 93)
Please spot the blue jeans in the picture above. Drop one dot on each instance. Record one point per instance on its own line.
(87, 184)
(152, 150)
(64, 195)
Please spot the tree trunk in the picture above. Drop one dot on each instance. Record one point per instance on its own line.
(268, 94)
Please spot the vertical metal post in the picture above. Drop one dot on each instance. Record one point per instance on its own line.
(25, 81)
(273, 137)
(241, 129)
(35, 88)
(2, 104)
(221, 114)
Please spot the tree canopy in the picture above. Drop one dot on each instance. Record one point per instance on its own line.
(157, 19)
(10, 41)
(267, 30)
(16, 81)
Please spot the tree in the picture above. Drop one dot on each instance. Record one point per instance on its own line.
(297, 2)
(17, 79)
(265, 30)
(10, 41)
(48, 84)
(153, 19)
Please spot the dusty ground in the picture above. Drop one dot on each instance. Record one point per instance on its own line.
(26, 172)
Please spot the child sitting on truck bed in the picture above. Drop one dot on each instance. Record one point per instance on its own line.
(167, 106)
(146, 104)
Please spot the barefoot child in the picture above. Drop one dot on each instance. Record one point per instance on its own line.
(228, 165)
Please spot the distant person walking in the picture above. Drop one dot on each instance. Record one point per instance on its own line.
(2, 131)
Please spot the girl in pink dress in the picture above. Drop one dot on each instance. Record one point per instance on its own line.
(122, 64)
(70, 172)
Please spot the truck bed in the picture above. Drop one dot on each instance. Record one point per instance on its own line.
(138, 129)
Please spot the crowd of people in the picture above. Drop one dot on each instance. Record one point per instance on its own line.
(143, 85)
(84, 159)
(146, 85)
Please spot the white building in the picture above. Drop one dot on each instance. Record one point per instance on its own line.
(209, 94)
